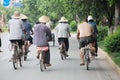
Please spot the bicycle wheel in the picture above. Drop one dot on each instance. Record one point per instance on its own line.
(42, 64)
(87, 59)
(20, 60)
(15, 58)
(62, 56)
(25, 54)
(62, 51)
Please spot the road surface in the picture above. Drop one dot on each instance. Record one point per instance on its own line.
(68, 69)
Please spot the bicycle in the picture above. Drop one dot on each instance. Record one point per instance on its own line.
(26, 50)
(42, 52)
(53, 39)
(17, 56)
(87, 54)
(62, 48)
(27, 43)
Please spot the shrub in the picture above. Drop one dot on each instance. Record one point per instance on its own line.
(102, 32)
(112, 42)
(73, 25)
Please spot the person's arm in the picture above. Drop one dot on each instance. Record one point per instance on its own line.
(96, 29)
(23, 27)
(31, 29)
(69, 31)
(49, 35)
(0, 30)
(78, 34)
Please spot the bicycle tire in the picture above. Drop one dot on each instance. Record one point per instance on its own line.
(20, 60)
(53, 42)
(87, 59)
(15, 58)
(42, 64)
(61, 56)
(25, 56)
(62, 51)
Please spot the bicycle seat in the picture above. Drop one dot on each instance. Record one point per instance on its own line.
(43, 48)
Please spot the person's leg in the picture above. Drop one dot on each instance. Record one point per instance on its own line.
(0, 45)
(66, 45)
(82, 57)
(47, 58)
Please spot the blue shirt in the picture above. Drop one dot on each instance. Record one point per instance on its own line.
(94, 26)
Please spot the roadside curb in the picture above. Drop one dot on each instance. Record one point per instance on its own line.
(116, 67)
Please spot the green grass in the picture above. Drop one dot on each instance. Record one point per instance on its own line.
(115, 56)
(4, 29)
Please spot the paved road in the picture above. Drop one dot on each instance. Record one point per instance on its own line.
(68, 69)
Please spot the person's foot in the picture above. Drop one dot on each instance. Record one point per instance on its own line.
(94, 54)
(1, 51)
(81, 64)
(37, 56)
(48, 65)
(28, 50)
(66, 54)
(11, 59)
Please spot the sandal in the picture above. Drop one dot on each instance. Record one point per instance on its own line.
(48, 65)
(81, 64)
(37, 57)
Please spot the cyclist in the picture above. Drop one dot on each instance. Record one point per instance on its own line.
(42, 35)
(28, 29)
(84, 33)
(63, 32)
(49, 25)
(16, 29)
(93, 24)
(0, 39)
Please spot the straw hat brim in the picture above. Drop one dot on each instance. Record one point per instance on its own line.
(63, 21)
(13, 16)
(44, 19)
(22, 16)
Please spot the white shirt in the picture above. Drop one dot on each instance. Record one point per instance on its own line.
(63, 30)
(16, 28)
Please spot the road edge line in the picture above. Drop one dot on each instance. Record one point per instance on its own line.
(117, 68)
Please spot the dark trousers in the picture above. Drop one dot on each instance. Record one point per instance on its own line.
(0, 42)
(47, 56)
(96, 45)
(66, 41)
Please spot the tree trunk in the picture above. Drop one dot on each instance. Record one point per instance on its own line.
(110, 30)
(116, 16)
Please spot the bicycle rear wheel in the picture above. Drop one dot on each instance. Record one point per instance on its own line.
(87, 59)
(62, 51)
(42, 64)
(15, 58)
(25, 55)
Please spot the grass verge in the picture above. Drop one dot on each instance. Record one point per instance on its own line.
(115, 56)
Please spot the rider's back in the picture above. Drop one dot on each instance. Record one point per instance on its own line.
(41, 34)
(85, 29)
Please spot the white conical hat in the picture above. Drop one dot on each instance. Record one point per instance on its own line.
(44, 19)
